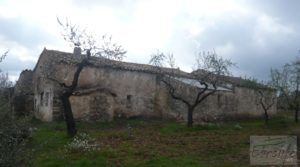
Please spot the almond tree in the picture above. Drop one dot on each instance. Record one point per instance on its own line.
(89, 46)
(287, 81)
(3, 55)
(210, 73)
(265, 92)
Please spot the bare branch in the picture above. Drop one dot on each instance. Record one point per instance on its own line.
(210, 70)
(102, 47)
(172, 92)
(3, 55)
(158, 59)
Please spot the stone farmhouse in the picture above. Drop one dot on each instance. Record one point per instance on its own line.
(110, 89)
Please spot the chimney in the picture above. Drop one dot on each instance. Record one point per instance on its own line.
(77, 51)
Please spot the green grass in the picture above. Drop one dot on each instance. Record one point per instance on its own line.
(154, 142)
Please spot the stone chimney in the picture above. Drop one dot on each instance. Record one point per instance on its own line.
(77, 51)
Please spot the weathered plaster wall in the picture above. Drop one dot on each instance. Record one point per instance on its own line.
(135, 93)
(96, 106)
(129, 93)
(43, 101)
(43, 91)
(223, 105)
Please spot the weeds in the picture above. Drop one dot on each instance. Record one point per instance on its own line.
(82, 142)
(155, 143)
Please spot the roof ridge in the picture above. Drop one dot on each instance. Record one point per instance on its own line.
(65, 57)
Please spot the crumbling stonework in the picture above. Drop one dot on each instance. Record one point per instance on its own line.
(108, 89)
(23, 93)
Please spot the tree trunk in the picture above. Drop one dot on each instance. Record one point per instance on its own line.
(71, 127)
(296, 114)
(190, 117)
(266, 117)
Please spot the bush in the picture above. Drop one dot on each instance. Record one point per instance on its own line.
(14, 135)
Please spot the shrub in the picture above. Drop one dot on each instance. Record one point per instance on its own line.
(14, 135)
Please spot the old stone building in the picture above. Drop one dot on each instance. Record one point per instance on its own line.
(108, 89)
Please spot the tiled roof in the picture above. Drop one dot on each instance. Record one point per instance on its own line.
(69, 58)
(230, 79)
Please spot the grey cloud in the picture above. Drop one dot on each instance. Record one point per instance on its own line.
(22, 32)
(286, 11)
(251, 59)
(13, 66)
(16, 32)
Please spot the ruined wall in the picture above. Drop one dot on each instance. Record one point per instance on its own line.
(43, 91)
(24, 83)
(241, 103)
(135, 91)
(97, 106)
(43, 100)
(130, 93)
(23, 94)
(141, 94)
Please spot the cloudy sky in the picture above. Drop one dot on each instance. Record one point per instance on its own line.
(257, 35)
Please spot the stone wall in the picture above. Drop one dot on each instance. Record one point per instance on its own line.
(141, 94)
(133, 94)
(43, 91)
(23, 94)
(241, 103)
(105, 93)
(97, 106)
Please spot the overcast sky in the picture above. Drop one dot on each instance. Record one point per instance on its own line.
(255, 34)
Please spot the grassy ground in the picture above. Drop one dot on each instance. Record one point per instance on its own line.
(141, 142)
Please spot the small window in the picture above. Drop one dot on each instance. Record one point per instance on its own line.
(35, 103)
(42, 98)
(46, 98)
(129, 98)
(219, 100)
(129, 101)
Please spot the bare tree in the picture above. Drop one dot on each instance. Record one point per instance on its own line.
(287, 81)
(3, 55)
(90, 46)
(5, 83)
(265, 92)
(210, 73)
(4, 80)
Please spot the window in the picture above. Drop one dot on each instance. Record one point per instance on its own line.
(219, 100)
(46, 98)
(129, 98)
(35, 103)
(42, 98)
(129, 101)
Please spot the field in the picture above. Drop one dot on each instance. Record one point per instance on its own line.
(152, 142)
